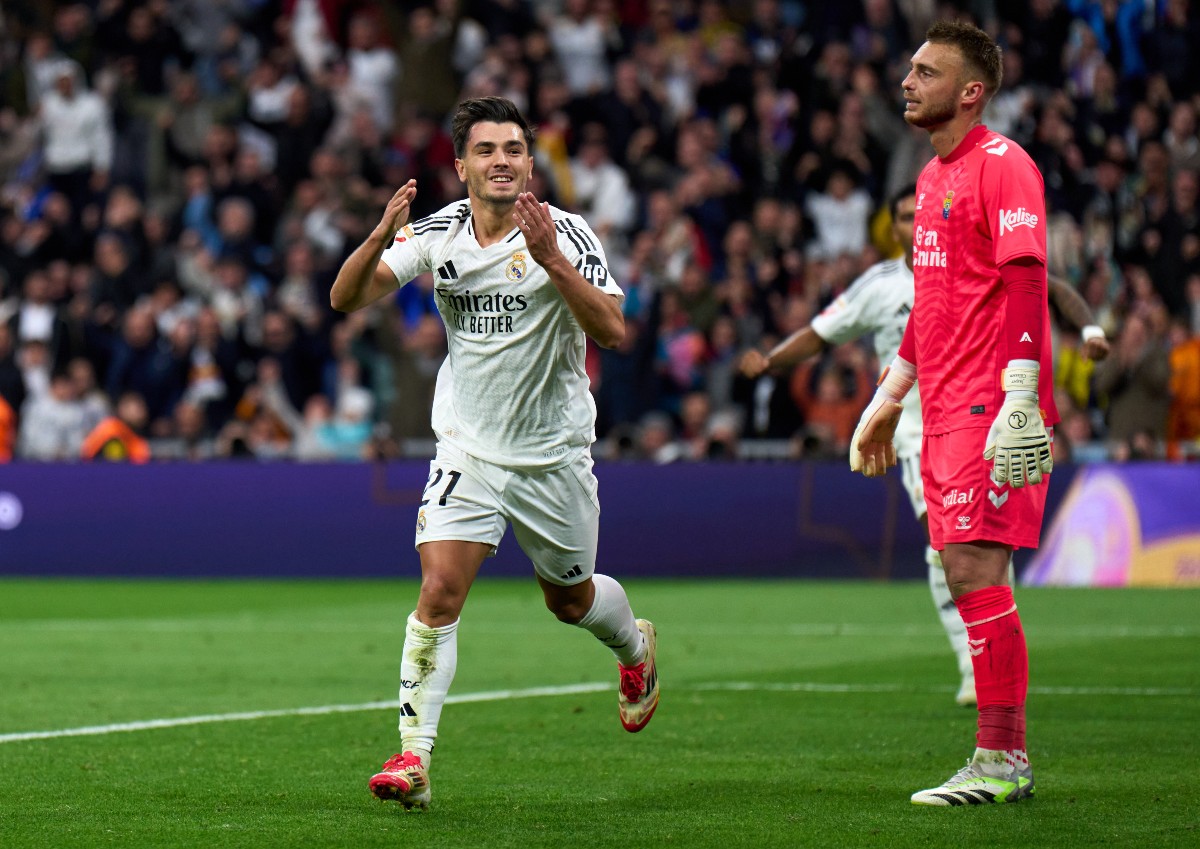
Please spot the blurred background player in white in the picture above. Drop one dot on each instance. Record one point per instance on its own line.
(518, 284)
(878, 303)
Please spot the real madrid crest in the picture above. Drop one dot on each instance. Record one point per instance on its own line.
(516, 268)
(421, 522)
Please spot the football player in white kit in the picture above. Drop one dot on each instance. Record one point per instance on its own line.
(878, 303)
(518, 284)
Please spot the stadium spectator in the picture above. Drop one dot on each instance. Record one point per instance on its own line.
(237, 304)
(298, 354)
(697, 299)
(633, 115)
(426, 51)
(143, 363)
(52, 422)
(581, 38)
(190, 439)
(8, 431)
(92, 399)
(213, 369)
(600, 191)
(655, 439)
(1135, 381)
(297, 137)
(117, 438)
(1183, 418)
(840, 211)
(706, 186)
(33, 359)
(695, 419)
(12, 380)
(78, 137)
(831, 395)
(19, 145)
(300, 290)
(414, 355)
(680, 350)
(721, 436)
(39, 319)
(373, 67)
(722, 362)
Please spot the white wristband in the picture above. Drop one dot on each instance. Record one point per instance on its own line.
(1020, 376)
(897, 379)
(1092, 331)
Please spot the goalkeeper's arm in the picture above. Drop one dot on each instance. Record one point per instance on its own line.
(872, 451)
(1018, 442)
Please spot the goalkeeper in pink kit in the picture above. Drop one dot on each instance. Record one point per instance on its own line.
(978, 341)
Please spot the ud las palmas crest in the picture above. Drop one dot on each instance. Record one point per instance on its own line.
(516, 268)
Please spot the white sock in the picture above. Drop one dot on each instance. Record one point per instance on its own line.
(610, 620)
(993, 762)
(952, 622)
(426, 670)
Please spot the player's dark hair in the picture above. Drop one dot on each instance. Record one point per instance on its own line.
(494, 110)
(894, 202)
(980, 54)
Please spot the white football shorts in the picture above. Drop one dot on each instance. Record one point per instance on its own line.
(555, 514)
(908, 457)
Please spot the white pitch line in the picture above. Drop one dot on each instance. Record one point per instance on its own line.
(801, 629)
(243, 716)
(567, 690)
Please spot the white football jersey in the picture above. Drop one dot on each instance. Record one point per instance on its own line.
(512, 390)
(878, 302)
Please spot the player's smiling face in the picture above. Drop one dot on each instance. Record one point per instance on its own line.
(933, 87)
(497, 163)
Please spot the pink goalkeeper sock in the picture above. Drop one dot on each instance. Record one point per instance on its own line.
(1001, 663)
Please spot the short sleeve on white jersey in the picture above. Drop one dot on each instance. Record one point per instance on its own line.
(879, 303)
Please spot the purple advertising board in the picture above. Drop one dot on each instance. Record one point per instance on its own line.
(1124, 525)
(357, 520)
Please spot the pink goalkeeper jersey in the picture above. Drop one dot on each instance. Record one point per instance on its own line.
(978, 208)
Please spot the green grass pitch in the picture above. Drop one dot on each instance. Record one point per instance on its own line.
(793, 714)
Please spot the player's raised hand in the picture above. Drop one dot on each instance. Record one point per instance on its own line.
(395, 214)
(753, 363)
(534, 220)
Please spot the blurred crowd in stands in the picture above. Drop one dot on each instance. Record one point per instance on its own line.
(181, 179)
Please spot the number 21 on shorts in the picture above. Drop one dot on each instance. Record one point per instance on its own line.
(435, 478)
